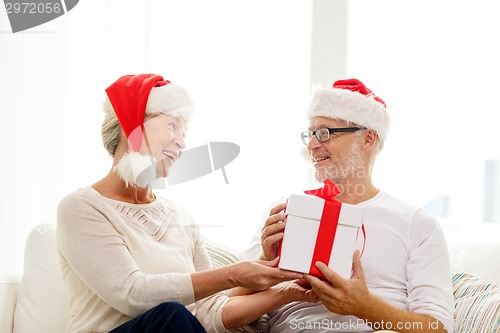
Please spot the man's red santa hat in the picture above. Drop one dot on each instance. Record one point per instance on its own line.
(132, 97)
(350, 100)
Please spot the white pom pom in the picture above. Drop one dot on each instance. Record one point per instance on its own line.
(137, 169)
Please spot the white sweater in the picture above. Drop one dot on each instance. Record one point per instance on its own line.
(120, 259)
(405, 263)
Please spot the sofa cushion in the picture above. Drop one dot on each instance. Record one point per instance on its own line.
(220, 255)
(477, 304)
(42, 298)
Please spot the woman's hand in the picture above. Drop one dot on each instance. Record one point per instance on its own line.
(272, 232)
(297, 291)
(260, 275)
(242, 310)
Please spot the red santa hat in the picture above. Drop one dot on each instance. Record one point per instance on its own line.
(132, 97)
(350, 100)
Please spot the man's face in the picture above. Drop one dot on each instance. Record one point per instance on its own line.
(339, 158)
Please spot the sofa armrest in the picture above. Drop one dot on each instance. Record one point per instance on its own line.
(477, 259)
(8, 299)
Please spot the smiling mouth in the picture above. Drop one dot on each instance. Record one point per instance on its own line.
(319, 159)
(172, 156)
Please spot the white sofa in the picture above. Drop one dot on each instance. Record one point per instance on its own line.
(37, 302)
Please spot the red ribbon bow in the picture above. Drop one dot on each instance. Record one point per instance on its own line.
(327, 192)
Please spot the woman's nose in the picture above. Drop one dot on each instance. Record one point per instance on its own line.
(179, 141)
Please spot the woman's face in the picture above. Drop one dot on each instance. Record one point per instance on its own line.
(164, 140)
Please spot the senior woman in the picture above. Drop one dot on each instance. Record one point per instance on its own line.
(135, 262)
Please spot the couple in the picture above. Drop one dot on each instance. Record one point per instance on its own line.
(134, 262)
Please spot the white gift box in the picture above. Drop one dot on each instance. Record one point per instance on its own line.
(301, 243)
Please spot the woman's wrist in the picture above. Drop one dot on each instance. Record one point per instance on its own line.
(233, 276)
(211, 281)
(281, 295)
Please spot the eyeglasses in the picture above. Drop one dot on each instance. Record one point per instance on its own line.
(323, 134)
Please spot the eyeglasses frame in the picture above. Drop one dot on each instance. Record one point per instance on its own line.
(330, 131)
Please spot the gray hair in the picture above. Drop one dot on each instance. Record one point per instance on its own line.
(379, 144)
(110, 131)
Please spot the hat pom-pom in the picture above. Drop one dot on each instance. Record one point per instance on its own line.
(137, 169)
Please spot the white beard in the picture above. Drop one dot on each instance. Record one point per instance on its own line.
(136, 169)
(349, 166)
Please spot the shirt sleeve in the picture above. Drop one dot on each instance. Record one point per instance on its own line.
(428, 271)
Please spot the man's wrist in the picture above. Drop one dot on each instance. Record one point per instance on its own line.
(370, 306)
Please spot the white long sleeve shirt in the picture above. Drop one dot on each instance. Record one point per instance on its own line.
(120, 259)
(405, 262)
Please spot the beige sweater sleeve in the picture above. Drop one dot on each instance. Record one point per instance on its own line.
(209, 310)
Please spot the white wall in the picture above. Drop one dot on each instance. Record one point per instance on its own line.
(245, 63)
(435, 63)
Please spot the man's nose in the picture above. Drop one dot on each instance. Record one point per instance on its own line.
(313, 143)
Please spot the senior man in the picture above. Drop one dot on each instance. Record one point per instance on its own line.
(402, 282)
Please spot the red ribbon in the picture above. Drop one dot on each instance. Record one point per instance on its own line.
(327, 227)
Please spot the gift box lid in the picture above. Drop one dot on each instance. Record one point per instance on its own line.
(311, 207)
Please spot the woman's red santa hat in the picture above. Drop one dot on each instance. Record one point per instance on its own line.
(132, 97)
(350, 100)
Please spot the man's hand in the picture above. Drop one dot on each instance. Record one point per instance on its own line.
(272, 232)
(352, 297)
(339, 295)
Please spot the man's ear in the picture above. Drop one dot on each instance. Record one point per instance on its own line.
(370, 139)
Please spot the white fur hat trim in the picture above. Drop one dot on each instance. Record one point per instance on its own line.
(170, 99)
(352, 107)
